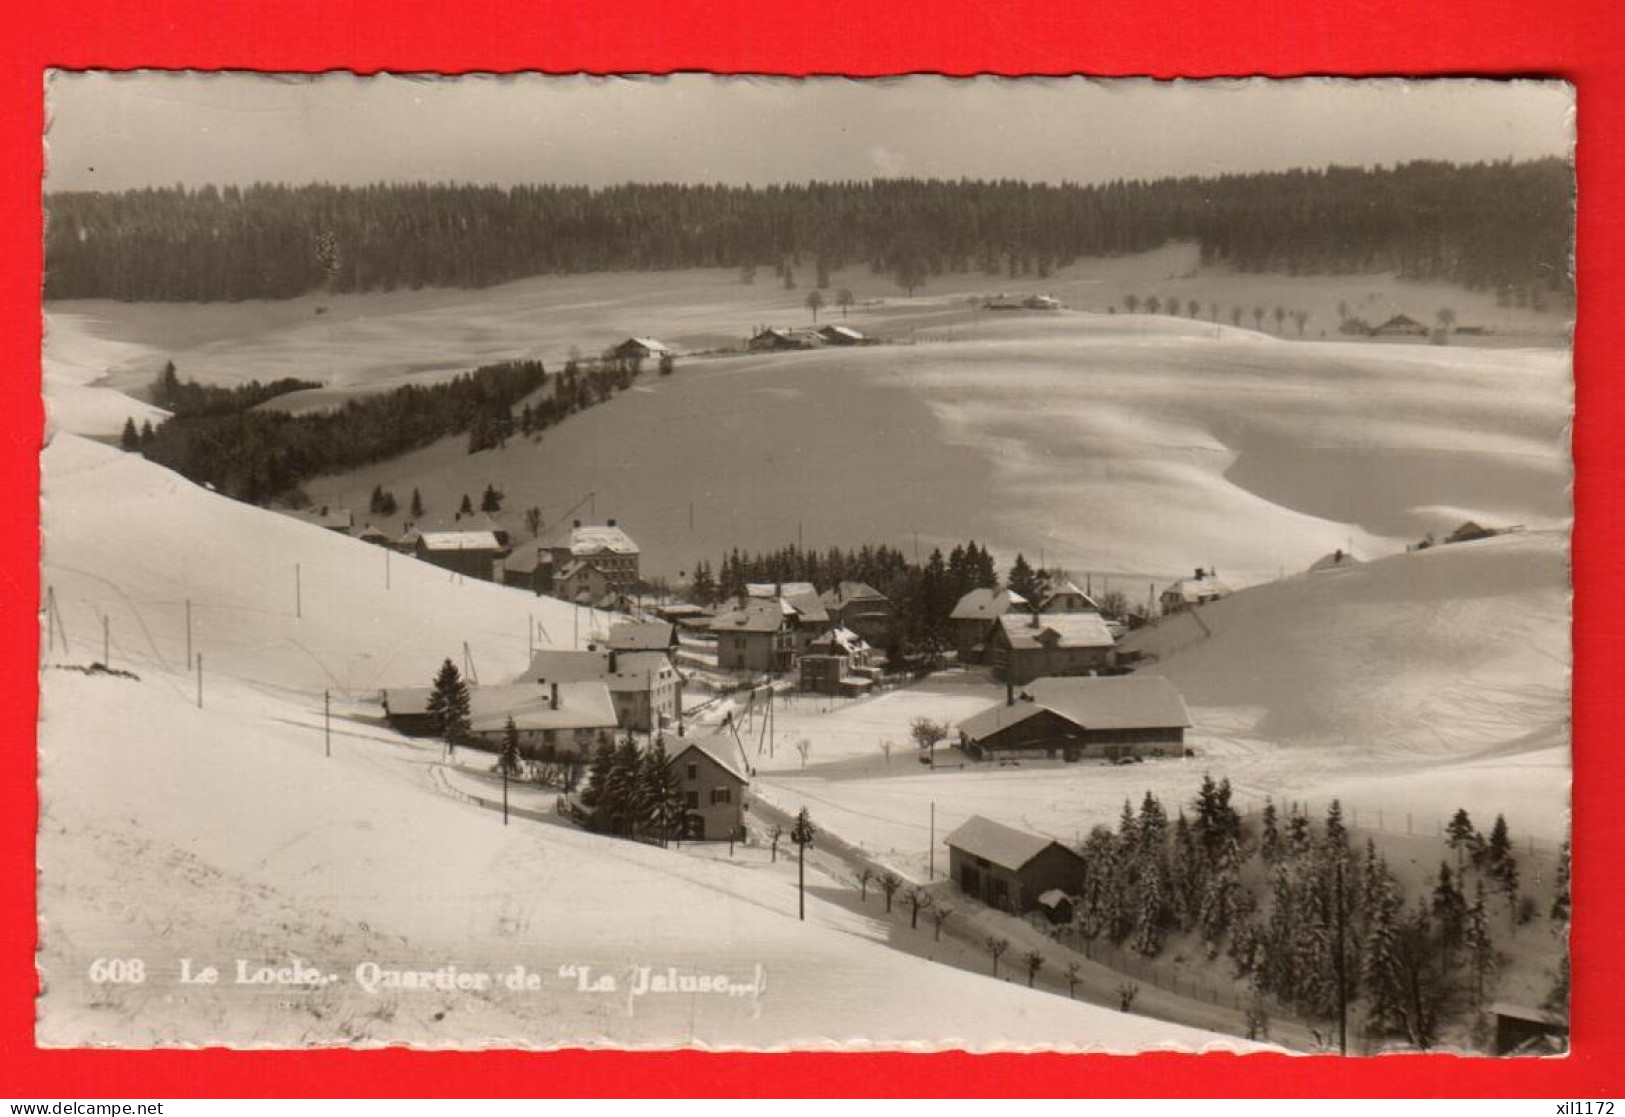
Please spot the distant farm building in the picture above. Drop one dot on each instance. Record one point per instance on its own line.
(529, 567)
(1082, 718)
(374, 535)
(842, 335)
(1010, 869)
(713, 784)
(472, 554)
(642, 636)
(1401, 325)
(775, 338)
(1018, 302)
(861, 608)
(973, 619)
(1024, 647)
(1041, 302)
(551, 719)
(1470, 531)
(640, 349)
(341, 520)
(645, 688)
(1188, 593)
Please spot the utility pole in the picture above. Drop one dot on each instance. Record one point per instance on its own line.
(504, 768)
(188, 630)
(200, 680)
(327, 723)
(298, 593)
(931, 873)
(386, 568)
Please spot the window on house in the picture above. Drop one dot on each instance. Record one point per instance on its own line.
(693, 771)
(721, 796)
(691, 799)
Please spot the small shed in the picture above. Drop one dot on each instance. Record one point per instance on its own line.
(1011, 869)
(1521, 1030)
(640, 349)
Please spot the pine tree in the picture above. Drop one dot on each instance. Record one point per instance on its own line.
(448, 705)
(466, 508)
(1337, 835)
(1151, 916)
(491, 501)
(508, 760)
(1449, 913)
(147, 434)
(1461, 837)
(1269, 838)
(1024, 581)
(1502, 865)
(130, 440)
(592, 796)
(417, 504)
(1481, 959)
(1381, 969)
(622, 798)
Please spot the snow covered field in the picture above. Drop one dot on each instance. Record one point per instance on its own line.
(225, 836)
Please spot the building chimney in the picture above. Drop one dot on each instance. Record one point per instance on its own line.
(577, 523)
(1009, 688)
(1198, 573)
(611, 523)
(553, 697)
(612, 661)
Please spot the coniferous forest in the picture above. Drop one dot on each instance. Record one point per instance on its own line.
(1505, 226)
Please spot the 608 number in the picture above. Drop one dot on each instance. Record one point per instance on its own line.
(118, 971)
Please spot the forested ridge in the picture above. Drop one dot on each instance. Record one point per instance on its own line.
(1502, 225)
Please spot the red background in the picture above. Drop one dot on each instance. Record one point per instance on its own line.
(1580, 40)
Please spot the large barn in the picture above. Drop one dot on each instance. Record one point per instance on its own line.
(1073, 719)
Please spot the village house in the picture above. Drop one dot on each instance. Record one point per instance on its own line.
(341, 520)
(529, 567)
(472, 554)
(1191, 592)
(837, 662)
(583, 583)
(974, 617)
(1470, 531)
(753, 636)
(607, 549)
(1041, 302)
(377, 536)
(640, 349)
(1010, 869)
(554, 719)
(1337, 560)
(1068, 598)
(861, 608)
(645, 688)
(713, 784)
(1081, 718)
(1025, 646)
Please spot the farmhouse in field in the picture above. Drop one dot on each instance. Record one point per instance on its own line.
(1191, 592)
(842, 335)
(640, 349)
(607, 549)
(861, 608)
(555, 718)
(1337, 560)
(1400, 325)
(1024, 646)
(974, 617)
(1010, 869)
(713, 785)
(1469, 531)
(341, 520)
(472, 554)
(777, 338)
(838, 662)
(1082, 718)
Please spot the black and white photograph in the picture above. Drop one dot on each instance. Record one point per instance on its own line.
(739, 563)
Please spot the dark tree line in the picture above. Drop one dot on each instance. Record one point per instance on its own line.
(1487, 225)
(634, 793)
(259, 455)
(187, 399)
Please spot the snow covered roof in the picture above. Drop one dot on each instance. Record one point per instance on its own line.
(1054, 898)
(1068, 593)
(1337, 560)
(846, 333)
(986, 605)
(778, 589)
(563, 665)
(752, 616)
(582, 705)
(596, 539)
(806, 605)
(1060, 630)
(525, 560)
(1113, 701)
(1195, 590)
(459, 541)
(647, 343)
(634, 636)
(1003, 845)
(842, 638)
(996, 719)
(848, 592)
(721, 748)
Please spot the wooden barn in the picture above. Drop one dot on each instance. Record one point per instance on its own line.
(1010, 869)
(1075, 719)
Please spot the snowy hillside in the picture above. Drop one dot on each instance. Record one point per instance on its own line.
(224, 833)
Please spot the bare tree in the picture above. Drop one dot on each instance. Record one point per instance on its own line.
(918, 898)
(775, 834)
(815, 303)
(1235, 315)
(886, 747)
(1126, 993)
(844, 300)
(1072, 973)
(889, 884)
(996, 947)
(1280, 317)
(533, 521)
(939, 916)
(1300, 318)
(927, 733)
(865, 875)
(1035, 962)
(804, 749)
(1258, 318)
(1131, 303)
